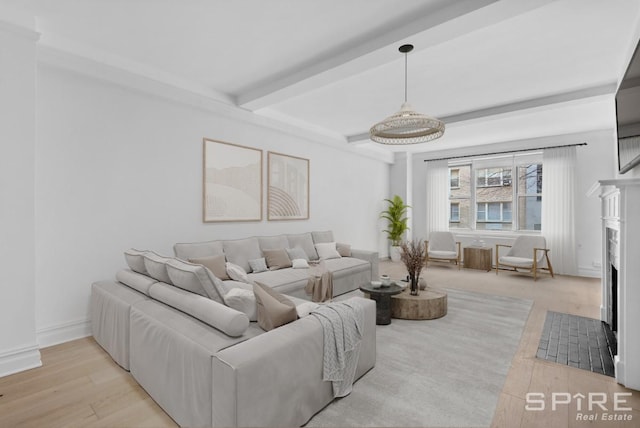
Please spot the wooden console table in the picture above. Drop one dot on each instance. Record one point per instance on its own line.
(478, 258)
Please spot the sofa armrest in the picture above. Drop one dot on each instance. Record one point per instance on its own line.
(370, 256)
(275, 379)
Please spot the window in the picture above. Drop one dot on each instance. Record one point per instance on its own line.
(492, 177)
(484, 196)
(493, 215)
(460, 197)
(530, 197)
(454, 213)
(454, 178)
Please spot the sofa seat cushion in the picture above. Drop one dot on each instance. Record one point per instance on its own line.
(277, 278)
(517, 261)
(452, 255)
(346, 266)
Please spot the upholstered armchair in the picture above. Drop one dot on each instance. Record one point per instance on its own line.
(442, 247)
(527, 253)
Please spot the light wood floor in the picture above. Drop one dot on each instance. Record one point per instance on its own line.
(80, 386)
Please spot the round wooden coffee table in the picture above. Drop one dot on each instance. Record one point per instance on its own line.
(428, 305)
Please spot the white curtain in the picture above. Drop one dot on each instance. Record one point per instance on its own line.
(558, 207)
(437, 196)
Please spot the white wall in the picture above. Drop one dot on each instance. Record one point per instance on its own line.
(18, 348)
(117, 168)
(596, 161)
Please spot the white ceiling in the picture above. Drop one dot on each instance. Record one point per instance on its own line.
(488, 68)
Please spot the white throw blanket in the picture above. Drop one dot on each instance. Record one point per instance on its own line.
(342, 326)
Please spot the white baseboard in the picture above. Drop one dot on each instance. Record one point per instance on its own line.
(65, 332)
(18, 360)
(589, 272)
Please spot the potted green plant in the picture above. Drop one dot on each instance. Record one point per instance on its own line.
(396, 215)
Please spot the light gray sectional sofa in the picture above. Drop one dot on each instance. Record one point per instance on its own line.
(348, 272)
(205, 363)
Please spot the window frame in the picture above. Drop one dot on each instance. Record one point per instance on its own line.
(511, 163)
(451, 186)
(451, 205)
(486, 212)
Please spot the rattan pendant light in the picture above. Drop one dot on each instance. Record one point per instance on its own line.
(406, 126)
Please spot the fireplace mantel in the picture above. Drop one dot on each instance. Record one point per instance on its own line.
(620, 212)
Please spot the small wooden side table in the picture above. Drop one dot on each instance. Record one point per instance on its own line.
(478, 258)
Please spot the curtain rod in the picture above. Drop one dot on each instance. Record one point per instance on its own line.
(505, 152)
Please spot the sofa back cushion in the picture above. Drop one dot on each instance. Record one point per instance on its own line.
(135, 260)
(196, 279)
(156, 266)
(194, 250)
(322, 237)
(223, 318)
(304, 241)
(279, 242)
(297, 253)
(240, 251)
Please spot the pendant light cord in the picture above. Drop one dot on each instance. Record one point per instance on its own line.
(405, 77)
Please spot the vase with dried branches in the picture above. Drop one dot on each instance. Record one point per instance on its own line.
(412, 255)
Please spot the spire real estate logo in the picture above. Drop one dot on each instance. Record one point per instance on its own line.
(592, 406)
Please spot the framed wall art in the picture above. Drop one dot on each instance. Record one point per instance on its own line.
(288, 187)
(232, 182)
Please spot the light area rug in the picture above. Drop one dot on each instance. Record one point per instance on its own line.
(447, 372)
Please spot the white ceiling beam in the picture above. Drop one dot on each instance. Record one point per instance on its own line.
(564, 97)
(457, 19)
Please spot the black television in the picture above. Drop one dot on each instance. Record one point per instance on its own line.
(628, 115)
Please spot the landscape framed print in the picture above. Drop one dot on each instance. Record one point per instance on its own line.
(288, 187)
(232, 182)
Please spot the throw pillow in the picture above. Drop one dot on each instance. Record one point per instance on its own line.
(327, 251)
(258, 265)
(297, 253)
(299, 264)
(237, 273)
(343, 249)
(243, 301)
(274, 309)
(215, 264)
(277, 259)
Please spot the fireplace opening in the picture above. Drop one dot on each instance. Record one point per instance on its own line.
(613, 301)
